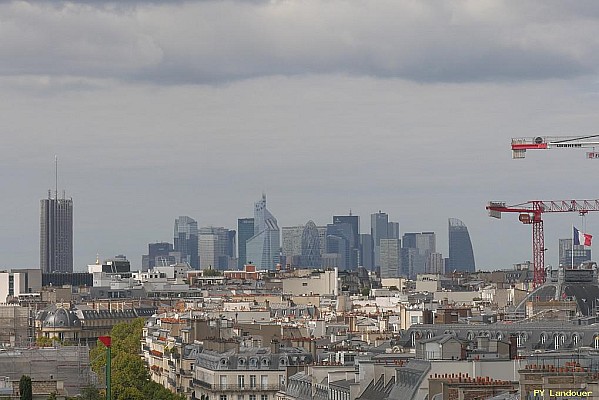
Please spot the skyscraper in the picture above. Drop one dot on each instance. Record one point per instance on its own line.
(366, 251)
(340, 239)
(390, 258)
(354, 239)
(263, 248)
(581, 253)
(245, 230)
(186, 240)
(56, 234)
(416, 251)
(381, 228)
(461, 256)
(215, 245)
(159, 254)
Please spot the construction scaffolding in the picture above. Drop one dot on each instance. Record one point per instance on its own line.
(67, 364)
(15, 325)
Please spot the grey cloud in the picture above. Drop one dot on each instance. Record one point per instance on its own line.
(208, 42)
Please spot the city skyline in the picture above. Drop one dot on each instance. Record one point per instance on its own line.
(399, 106)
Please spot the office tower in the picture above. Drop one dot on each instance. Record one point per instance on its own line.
(416, 251)
(393, 230)
(390, 258)
(160, 253)
(263, 248)
(581, 253)
(461, 256)
(292, 241)
(340, 239)
(366, 251)
(354, 240)
(436, 264)
(231, 250)
(56, 234)
(381, 228)
(215, 247)
(310, 246)
(186, 240)
(245, 230)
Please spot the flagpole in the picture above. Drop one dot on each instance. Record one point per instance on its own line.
(573, 240)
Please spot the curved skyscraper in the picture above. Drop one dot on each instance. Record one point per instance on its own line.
(461, 256)
(310, 245)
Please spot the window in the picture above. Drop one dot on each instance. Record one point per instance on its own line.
(239, 397)
(263, 380)
(252, 397)
(240, 381)
(263, 397)
(252, 382)
(223, 380)
(223, 397)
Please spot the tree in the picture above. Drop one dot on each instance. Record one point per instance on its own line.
(52, 396)
(211, 272)
(90, 393)
(25, 388)
(130, 376)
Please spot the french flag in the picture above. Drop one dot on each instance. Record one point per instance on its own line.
(582, 238)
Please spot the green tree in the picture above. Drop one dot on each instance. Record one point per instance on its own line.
(25, 388)
(130, 376)
(52, 396)
(90, 393)
(211, 272)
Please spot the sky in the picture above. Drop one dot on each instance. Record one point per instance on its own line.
(157, 109)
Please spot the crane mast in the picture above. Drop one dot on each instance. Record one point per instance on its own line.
(531, 213)
(520, 145)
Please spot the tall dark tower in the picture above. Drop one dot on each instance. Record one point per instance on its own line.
(56, 232)
(245, 230)
(461, 256)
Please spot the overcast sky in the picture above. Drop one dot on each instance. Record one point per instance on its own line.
(164, 108)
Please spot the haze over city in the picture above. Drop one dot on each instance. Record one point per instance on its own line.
(160, 109)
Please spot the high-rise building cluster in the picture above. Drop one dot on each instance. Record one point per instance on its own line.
(258, 240)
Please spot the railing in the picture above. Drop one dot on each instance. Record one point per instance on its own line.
(237, 388)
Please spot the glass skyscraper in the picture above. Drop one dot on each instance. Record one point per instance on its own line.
(245, 230)
(263, 248)
(461, 255)
(186, 240)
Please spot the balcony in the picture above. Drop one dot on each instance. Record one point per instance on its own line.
(217, 387)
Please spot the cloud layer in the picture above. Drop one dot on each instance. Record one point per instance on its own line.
(218, 41)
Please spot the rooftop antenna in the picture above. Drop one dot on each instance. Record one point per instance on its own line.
(56, 177)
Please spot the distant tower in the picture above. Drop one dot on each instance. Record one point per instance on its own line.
(461, 255)
(381, 228)
(245, 230)
(186, 240)
(56, 232)
(263, 248)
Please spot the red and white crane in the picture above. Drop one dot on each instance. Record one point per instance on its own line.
(531, 213)
(520, 145)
